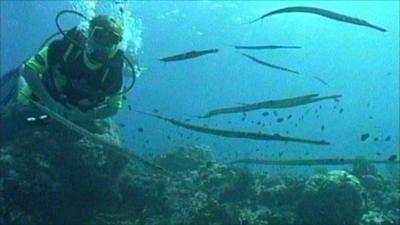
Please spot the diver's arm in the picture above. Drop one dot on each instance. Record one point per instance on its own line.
(109, 108)
(35, 83)
(98, 113)
(101, 112)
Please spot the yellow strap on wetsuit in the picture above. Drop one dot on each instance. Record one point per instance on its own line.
(39, 62)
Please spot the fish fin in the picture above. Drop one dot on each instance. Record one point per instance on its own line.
(194, 116)
(240, 103)
(146, 113)
(253, 21)
(311, 96)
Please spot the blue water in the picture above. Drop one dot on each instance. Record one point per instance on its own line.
(359, 63)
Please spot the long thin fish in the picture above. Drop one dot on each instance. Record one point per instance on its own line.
(268, 64)
(237, 134)
(322, 81)
(324, 13)
(270, 104)
(188, 55)
(115, 148)
(8, 87)
(310, 162)
(260, 47)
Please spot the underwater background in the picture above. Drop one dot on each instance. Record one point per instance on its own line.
(359, 63)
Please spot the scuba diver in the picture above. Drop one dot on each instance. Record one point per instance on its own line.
(79, 77)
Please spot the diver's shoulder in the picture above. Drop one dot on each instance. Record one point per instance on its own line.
(117, 60)
(70, 36)
(120, 54)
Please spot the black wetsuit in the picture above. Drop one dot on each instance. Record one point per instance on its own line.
(81, 82)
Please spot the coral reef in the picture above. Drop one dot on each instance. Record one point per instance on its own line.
(45, 180)
(184, 158)
(376, 218)
(334, 198)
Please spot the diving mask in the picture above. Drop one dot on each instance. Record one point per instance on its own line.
(102, 43)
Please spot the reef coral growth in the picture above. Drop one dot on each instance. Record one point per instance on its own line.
(45, 180)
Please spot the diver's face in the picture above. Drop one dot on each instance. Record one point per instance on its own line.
(101, 44)
(99, 53)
